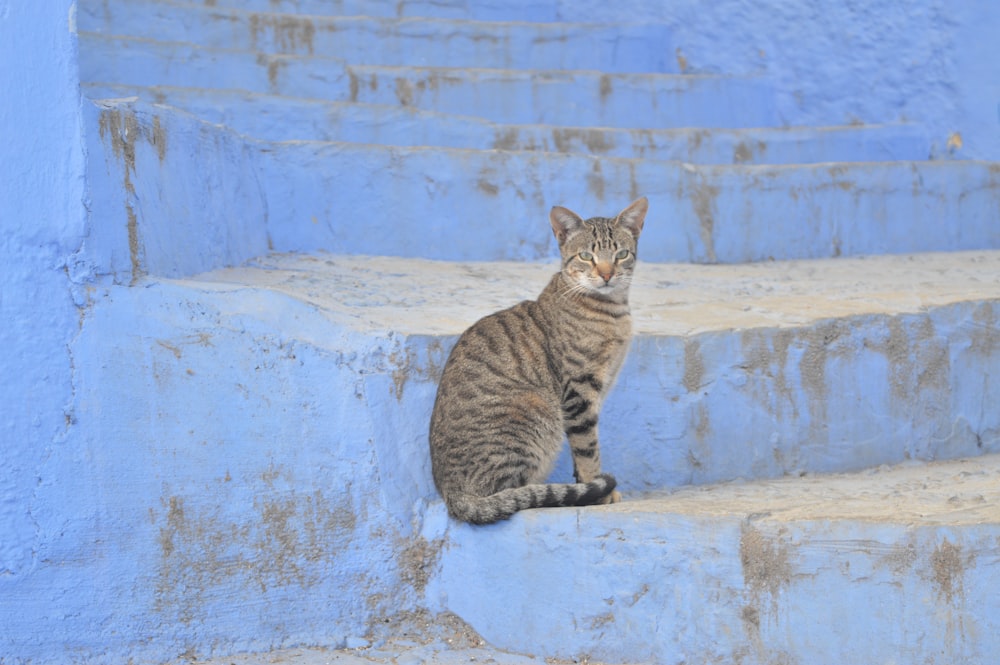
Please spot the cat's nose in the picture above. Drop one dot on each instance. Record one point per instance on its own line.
(605, 271)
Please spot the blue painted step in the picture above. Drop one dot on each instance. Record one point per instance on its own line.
(276, 118)
(416, 201)
(619, 47)
(481, 10)
(269, 422)
(896, 566)
(746, 371)
(573, 98)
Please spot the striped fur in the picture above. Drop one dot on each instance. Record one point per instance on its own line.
(521, 379)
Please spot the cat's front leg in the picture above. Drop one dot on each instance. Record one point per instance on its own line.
(581, 405)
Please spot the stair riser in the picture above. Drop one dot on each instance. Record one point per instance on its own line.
(621, 587)
(219, 515)
(699, 214)
(347, 199)
(233, 475)
(279, 119)
(507, 96)
(174, 195)
(490, 10)
(629, 47)
(837, 396)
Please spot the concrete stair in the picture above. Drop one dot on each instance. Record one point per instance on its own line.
(300, 213)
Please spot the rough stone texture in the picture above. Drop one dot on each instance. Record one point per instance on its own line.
(278, 118)
(306, 196)
(194, 467)
(893, 565)
(423, 297)
(800, 570)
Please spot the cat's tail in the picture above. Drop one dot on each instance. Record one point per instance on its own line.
(503, 504)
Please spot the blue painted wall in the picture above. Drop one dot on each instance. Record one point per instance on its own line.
(43, 220)
(86, 571)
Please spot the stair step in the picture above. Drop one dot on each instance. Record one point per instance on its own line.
(746, 371)
(491, 10)
(249, 405)
(896, 565)
(618, 47)
(572, 98)
(297, 196)
(275, 118)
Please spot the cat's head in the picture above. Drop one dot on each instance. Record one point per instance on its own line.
(598, 254)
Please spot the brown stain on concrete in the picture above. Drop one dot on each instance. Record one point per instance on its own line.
(595, 180)
(765, 563)
(819, 342)
(682, 61)
(568, 139)
(703, 199)
(508, 138)
(767, 571)
(122, 130)
(746, 152)
(418, 561)
(487, 187)
(948, 566)
(765, 361)
(354, 84)
(290, 34)
(694, 366)
(288, 539)
(919, 364)
(606, 87)
(985, 335)
(404, 91)
(407, 363)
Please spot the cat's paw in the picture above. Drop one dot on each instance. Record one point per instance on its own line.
(614, 497)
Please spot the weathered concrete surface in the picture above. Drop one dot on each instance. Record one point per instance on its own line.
(296, 196)
(622, 46)
(930, 62)
(710, 214)
(896, 565)
(570, 97)
(179, 477)
(890, 565)
(276, 118)
(43, 222)
(173, 195)
(232, 485)
(254, 439)
(736, 371)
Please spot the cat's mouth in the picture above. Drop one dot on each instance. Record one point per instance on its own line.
(605, 287)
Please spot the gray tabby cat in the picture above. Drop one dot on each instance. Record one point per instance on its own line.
(517, 380)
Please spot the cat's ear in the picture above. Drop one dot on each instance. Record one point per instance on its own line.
(564, 222)
(632, 217)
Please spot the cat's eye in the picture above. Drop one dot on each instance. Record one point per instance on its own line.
(621, 255)
(586, 256)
